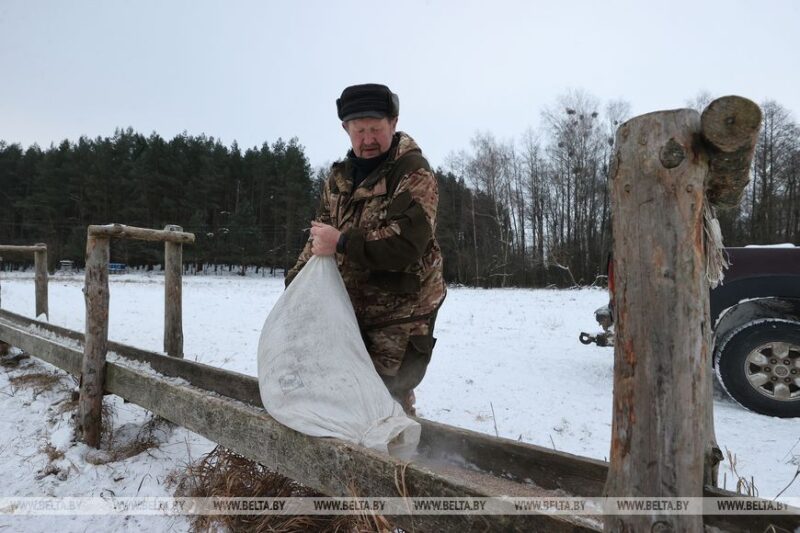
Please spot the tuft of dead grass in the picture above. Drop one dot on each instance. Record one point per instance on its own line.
(226, 474)
(113, 449)
(743, 485)
(53, 453)
(38, 381)
(64, 406)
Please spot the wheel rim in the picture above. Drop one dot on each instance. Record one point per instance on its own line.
(773, 369)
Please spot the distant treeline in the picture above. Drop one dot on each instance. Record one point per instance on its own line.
(246, 207)
(528, 212)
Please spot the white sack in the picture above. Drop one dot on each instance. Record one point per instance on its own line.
(315, 374)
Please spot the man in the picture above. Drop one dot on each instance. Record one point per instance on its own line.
(378, 216)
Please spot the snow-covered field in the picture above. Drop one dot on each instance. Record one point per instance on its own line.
(513, 351)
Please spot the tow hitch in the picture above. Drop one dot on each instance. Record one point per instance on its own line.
(601, 339)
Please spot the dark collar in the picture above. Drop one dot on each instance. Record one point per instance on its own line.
(362, 168)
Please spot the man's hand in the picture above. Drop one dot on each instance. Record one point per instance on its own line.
(323, 238)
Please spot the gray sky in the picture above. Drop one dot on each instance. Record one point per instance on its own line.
(256, 71)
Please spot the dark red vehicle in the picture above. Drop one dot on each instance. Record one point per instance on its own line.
(756, 317)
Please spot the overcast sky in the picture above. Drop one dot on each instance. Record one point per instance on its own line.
(256, 71)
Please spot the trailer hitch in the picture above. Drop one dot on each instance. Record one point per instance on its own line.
(601, 339)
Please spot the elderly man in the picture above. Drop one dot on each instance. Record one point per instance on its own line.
(378, 216)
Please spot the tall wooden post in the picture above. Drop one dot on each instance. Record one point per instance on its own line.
(39, 252)
(40, 265)
(661, 359)
(96, 343)
(4, 347)
(173, 320)
(669, 172)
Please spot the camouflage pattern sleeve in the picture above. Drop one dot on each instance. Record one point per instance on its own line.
(409, 228)
(324, 216)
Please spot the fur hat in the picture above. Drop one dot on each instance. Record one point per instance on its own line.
(367, 100)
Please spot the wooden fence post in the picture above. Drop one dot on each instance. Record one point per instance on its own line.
(661, 359)
(96, 338)
(39, 252)
(40, 265)
(4, 347)
(669, 172)
(173, 319)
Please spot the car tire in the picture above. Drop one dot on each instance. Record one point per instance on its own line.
(759, 367)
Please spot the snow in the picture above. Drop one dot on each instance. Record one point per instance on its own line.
(505, 358)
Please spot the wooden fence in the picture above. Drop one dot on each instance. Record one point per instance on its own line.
(225, 407)
(96, 292)
(39, 252)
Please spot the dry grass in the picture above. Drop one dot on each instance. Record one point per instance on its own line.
(743, 485)
(53, 453)
(113, 449)
(38, 381)
(66, 405)
(223, 473)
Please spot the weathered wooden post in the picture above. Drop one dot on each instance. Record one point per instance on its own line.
(40, 265)
(4, 347)
(39, 252)
(173, 320)
(662, 431)
(96, 337)
(97, 298)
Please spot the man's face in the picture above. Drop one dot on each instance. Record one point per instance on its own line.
(370, 137)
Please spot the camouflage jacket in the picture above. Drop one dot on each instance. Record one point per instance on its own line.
(392, 263)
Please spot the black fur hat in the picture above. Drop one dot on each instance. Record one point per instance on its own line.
(367, 100)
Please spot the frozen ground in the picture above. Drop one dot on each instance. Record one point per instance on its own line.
(512, 350)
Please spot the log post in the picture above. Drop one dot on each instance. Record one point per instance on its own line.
(730, 128)
(661, 358)
(96, 340)
(173, 320)
(40, 265)
(4, 347)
